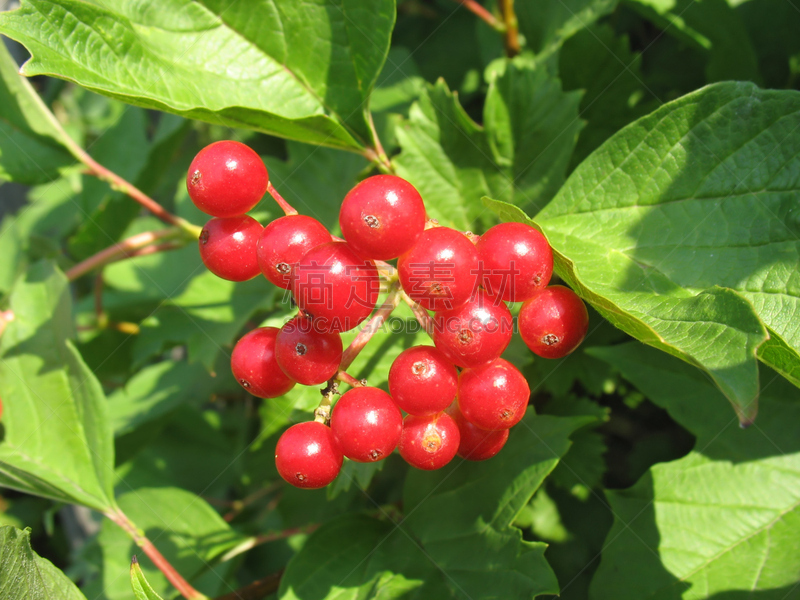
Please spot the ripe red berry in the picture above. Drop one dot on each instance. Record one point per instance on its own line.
(516, 259)
(493, 396)
(429, 442)
(335, 287)
(307, 455)
(366, 424)
(228, 247)
(442, 270)
(254, 365)
(475, 333)
(226, 179)
(554, 322)
(422, 381)
(476, 443)
(382, 217)
(308, 356)
(284, 242)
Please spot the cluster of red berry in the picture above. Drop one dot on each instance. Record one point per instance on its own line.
(464, 279)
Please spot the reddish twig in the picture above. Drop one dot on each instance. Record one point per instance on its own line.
(126, 248)
(483, 14)
(256, 590)
(285, 206)
(345, 377)
(180, 584)
(369, 329)
(266, 538)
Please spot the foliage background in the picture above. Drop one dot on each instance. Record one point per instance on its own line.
(674, 209)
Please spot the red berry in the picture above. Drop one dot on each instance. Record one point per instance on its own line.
(366, 424)
(422, 381)
(226, 179)
(254, 365)
(382, 217)
(308, 356)
(475, 333)
(554, 322)
(476, 443)
(429, 442)
(284, 242)
(493, 396)
(516, 259)
(335, 287)
(307, 455)
(442, 270)
(228, 247)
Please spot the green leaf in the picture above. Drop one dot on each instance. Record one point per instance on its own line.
(355, 557)
(711, 25)
(722, 519)
(251, 65)
(184, 528)
(31, 146)
(680, 230)
(141, 589)
(156, 390)
(520, 157)
(58, 443)
(547, 23)
(27, 575)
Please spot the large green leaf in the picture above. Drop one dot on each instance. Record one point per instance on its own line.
(31, 147)
(711, 25)
(521, 156)
(721, 522)
(27, 575)
(58, 443)
(456, 537)
(680, 230)
(184, 528)
(302, 70)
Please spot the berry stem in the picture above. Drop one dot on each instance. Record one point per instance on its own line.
(138, 536)
(265, 538)
(483, 14)
(420, 313)
(136, 245)
(285, 206)
(371, 326)
(378, 154)
(345, 377)
(511, 28)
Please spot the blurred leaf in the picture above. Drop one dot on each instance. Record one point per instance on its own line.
(598, 61)
(724, 518)
(399, 83)
(141, 589)
(155, 391)
(58, 443)
(185, 529)
(27, 575)
(352, 472)
(547, 23)
(31, 146)
(711, 25)
(772, 26)
(520, 157)
(248, 65)
(650, 227)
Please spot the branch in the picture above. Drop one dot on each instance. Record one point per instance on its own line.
(369, 329)
(420, 313)
(180, 584)
(132, 246)
(511, 28)
(266, 538)
(483, 14)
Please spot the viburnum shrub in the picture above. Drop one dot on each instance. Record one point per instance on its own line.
(399, 299)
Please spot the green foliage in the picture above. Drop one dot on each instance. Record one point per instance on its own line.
(671, 204)
(27, 575)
